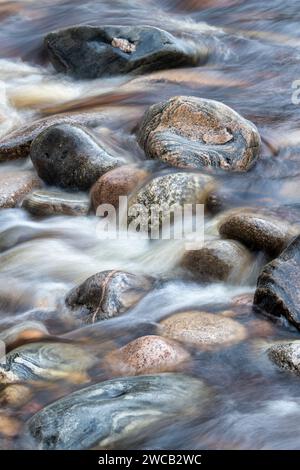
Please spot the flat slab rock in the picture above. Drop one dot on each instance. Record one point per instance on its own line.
(91, 52)
(14, 185)
(55, 202)
(108, 413)
(190, 132)
(278, 286)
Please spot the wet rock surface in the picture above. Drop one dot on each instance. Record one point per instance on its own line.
(91, 52)
(286, 356)
(277, 293)
(107, 294)
(115, 183)
(190, 132)
(69, 156)
(55, 202)
(258, 231)
(14, 185)
(110, 412)
(24, 332)
(219, 260)
(45, 361)
(203, 329)
(146, 355)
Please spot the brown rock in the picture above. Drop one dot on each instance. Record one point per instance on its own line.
(14, 185)
(206, 330)
(23, 333)
(9, 426)
(218, 260)
(146, 355)
(120, 181)
(15, 395)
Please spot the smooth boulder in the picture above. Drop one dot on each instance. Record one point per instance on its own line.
(106, 414)
(14, 185)
(92, 52)
(190, 132)
(107, 294)
(278, 286)
(45, 203)
(69, 156)
(286, 355)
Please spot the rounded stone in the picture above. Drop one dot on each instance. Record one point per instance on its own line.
(69, 156)
(54, 202)
(14, 185)
(286, 355)
(15, 395)
(107, 294)
(202, 329)
(145, 355)
(108, 414)
(186, 131)
(23, 332)
(218, 260)
(258, 232)
(118, 182)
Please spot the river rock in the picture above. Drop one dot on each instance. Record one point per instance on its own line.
(107, 294)
(118, 182)
(286, 355)
(45, 361)
(14, 395)
(218, 260)
(17, 143)
(23, 332)
(278, 289)
(91, 52)
(189, 132)
(106, 414)
(258, 231)
(55, 202)
(146, 355)
(14, 185)
(69, 156)
(202, 329)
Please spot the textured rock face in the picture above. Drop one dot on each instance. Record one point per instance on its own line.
(258, 231)
(108, 413)
(14, 185)
(218, 260)
(115, 183)
(107, 294)
(91, 52)
(68, 156)
(202, 329)
(190, 132)
(44, 361)
(50, 202)
(145, 355)
(278, 288)
(286, 355)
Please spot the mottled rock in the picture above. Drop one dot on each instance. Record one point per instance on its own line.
(23, 332)
(218, 260)
(17, 143)
(286, 355)
(14, 395)
(278, 289)
(107, 294)
(146, 355)
(190, 132)
(115, 183)
(69, 156)
(258, 231)
(106, 414)
(55, 202)
(202, 329)
(91, 52)
(45, 361)
(14, 185)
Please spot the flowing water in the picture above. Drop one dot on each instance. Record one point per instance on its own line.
(254, 60)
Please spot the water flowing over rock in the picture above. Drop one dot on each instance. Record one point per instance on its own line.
(91, 52)
(258, 231)
(219, 260)
(202, 329)
(146, 355)
(55, 202)
(107, 294)
(108, 413)
(278, 289)
(69, 156)
(190, 132)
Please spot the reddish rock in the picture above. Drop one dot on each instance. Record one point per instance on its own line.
(14, 185)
